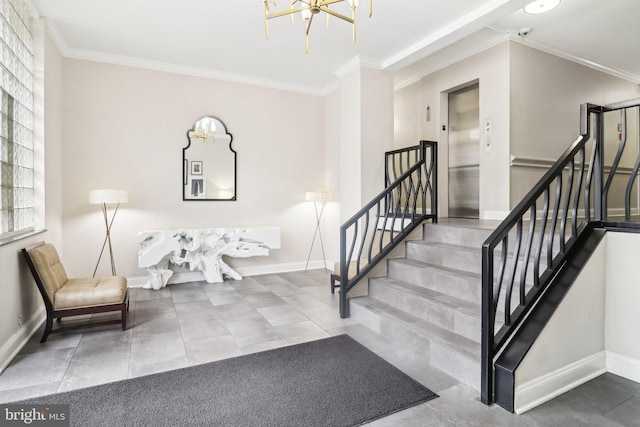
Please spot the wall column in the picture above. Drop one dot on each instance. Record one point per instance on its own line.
(366, 132)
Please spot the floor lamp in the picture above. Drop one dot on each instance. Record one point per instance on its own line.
(105, 197)
(317, 197)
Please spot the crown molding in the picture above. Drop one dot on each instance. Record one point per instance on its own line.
(450, 59)
(633, 78)
(167, 67)
(358, 62)
(189, 71)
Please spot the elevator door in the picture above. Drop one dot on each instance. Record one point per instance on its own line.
(464, 156)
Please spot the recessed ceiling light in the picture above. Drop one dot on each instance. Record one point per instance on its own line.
(541, 6)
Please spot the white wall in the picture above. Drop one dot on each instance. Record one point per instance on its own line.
(623, 298)
(564, 353)
(125, 128)
(331, 219)
(20, 296)
(594, 330)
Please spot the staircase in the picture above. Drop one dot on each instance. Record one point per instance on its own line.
(430, 300)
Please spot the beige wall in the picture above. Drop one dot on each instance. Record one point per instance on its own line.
(490, 69)
(545, 96)
(125, 128)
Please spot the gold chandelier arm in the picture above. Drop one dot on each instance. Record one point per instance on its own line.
(285, 12)
(353, 14)
(306, 41)
(328, 2)
(370, 8)
(266, 21)
(336, 14)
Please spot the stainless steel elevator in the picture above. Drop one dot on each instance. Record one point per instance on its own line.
(464, 152)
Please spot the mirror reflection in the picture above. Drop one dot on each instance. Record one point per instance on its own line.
(209, 162)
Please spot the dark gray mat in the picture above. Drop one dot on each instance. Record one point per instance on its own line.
(331, 382)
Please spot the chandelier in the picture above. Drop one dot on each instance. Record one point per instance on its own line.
(308, 9)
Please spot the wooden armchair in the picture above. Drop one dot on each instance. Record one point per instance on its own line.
(65, 297)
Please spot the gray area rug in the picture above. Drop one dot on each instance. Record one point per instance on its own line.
(330, 382)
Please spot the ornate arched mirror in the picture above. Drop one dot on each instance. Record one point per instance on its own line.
(209, 162)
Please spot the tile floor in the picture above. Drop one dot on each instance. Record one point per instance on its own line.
(194, 323)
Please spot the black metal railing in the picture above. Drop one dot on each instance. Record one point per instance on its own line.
(521, 257)
(397, 162)
(372, 233)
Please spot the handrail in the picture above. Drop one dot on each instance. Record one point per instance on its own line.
(556, 217)
(370, 234)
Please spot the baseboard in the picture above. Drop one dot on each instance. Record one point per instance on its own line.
(553, 384)
(13, 346)
(623, 366)
(246, 271)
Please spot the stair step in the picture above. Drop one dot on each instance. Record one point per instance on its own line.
(460, 284)
(452, 353)
(456, 283)
(457, 315)
(470, 236)
(457, 256)
(446, 254)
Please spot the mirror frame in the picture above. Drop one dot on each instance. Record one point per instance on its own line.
(185, 165)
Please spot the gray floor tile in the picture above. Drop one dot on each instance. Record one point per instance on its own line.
(188, 294)
(236, 311)
(264, 346)
(563, 412)
(154, 368)
(282, 315)
(222, 297)
(253, 331)
(20, 393)
(157, 348)
(264, 299)
(600, 394)
(297, 333)
(212, 349)
(627, 413)
(248, 286)
(36, 368)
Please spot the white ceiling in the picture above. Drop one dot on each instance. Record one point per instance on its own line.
(225, 38)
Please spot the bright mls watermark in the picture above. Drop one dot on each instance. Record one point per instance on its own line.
(34, 415)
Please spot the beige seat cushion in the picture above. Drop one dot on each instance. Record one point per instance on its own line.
(92, 291)
(51, 271)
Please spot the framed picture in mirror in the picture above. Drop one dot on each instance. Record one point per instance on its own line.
(196, 167)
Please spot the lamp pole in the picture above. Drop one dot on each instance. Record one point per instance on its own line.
(317, 197)
(104, 198)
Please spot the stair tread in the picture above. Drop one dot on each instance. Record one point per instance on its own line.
(448, 270)
(445, 245)
(442, 336)
(449, 301)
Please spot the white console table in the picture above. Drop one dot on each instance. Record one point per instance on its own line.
(201, 249)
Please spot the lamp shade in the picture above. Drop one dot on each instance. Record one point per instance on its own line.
(108, 196)
(316, 196)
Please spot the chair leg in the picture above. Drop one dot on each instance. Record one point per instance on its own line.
(47, 328)
(124, 317)
(334, 278)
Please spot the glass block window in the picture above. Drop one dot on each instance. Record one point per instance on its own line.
(16, 118)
